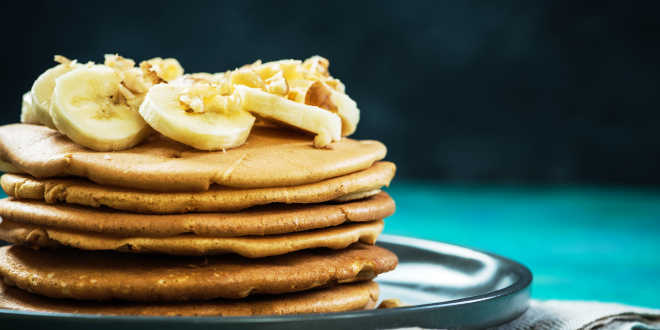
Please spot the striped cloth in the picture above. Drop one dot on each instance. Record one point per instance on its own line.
(564, 314)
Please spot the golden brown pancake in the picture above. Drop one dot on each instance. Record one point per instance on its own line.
(271, 157)
(341, 298)
(358, 195)
(83, 275)
(265, 220)
(83, 192)
(337, 237)
(8, 168)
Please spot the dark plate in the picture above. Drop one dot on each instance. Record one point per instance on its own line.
(446, 286)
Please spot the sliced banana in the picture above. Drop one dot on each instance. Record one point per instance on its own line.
(200, 129)
(28, 111)
(323, 96)
(90, 107)
(42, 91)
(348, 111)
(325, 124)
(114, 106)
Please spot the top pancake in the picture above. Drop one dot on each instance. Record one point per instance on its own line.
(271, 157)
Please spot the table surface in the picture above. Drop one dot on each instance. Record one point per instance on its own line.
(586, 243)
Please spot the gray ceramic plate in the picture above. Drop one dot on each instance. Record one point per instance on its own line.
(445, 286)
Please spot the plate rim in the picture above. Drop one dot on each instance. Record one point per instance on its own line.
(522, 284)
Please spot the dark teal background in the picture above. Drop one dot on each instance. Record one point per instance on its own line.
(544, 91)
(586, 243)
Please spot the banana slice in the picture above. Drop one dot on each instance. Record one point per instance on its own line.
(348, 111)
(42, 91)
(28, 111)
(323, 96)
(325, 124)
(205, 130)
(91, 107)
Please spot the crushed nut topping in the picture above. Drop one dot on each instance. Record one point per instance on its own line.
(247, 77)
(319, 94)
(138, 80)
(316, 67)
(289, 78)
(165, 69)
(391, 303)
(276, 84)
(203, 94)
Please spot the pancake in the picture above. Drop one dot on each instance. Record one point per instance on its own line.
(337, 237)
(83, 275)
(341, 298)
(8, 168)
(271, 157)
(83, 192)
(265, 220)
(358, 195)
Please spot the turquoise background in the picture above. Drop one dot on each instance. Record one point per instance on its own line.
(587, 243)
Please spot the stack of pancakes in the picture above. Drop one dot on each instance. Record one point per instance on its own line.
(273, 227)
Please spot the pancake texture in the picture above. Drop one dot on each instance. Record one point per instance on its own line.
(266, 220)
(341, 298)
(82, 275)
(337, 237)
(271, 157)
(82, 192)
(357, 195)
(8, 168)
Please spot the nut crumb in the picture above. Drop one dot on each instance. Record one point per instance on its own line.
(391, 303)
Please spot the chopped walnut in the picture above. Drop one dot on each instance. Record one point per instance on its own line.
(277, 84)
(118, 62)
(62, 60)
(298, 89)
(206, 95)
(191, 78)
(252, 65)
(316, 66)
(292, 69)
(336, 84)
(288, 78)
(295, 96)
(134, 80)
(194, 104)
(69, 63)
(391, 303)
(162, 69)
(247, 77)
(267, 71)
(320, 95)
(193, 96)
